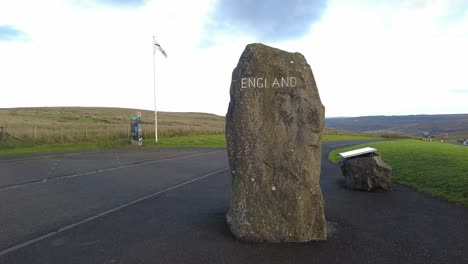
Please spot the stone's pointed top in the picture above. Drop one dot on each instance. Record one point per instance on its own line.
(261, 48)
(254, 46)
(267, 55)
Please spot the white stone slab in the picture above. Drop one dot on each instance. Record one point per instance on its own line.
(357, 152)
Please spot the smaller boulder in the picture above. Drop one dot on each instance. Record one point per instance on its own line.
(366, 173)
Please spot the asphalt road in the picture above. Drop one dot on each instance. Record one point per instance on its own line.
(169, 205)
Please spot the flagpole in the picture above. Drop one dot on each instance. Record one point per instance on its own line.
(154, 87)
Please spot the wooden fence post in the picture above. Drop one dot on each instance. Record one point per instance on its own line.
(86, 133)
(35, 133)
(61, 134)
(2, 133)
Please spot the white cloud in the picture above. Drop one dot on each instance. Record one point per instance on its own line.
(374, 60)
(402, 58)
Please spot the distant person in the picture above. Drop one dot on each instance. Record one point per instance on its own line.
(465, 142)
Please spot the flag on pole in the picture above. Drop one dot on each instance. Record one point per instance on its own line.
(158, 46)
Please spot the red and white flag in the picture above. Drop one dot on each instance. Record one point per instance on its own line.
(156, 45)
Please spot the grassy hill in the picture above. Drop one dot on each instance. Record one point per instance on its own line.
(437, 125)
(87, 123)
(92, 123)
(50, 129)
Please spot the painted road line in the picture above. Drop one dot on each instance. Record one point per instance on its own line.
(44, 157)
(48, 180)
(6, 159)
(68, 227)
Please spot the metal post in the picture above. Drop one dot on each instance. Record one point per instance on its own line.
(154, 87)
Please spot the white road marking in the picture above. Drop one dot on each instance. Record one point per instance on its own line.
(65, 228)
(48, 180)
(45, 157)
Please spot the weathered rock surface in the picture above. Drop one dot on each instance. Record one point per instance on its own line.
(273, 131)
(366, 173)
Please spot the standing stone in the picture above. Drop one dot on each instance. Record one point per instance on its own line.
(273, 130)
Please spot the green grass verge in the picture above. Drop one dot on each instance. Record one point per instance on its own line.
(196, 141)
(332, 137)
(19, 148)
(210, 141)
(438, 169)
(22, 148)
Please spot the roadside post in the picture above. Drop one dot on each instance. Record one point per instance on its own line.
(135, 130)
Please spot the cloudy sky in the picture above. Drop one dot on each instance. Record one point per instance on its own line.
(368, 57)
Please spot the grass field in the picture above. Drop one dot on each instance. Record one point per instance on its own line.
(335, 137)
(439, 169)
(209, 141)
(50, 129)
(87, 124)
